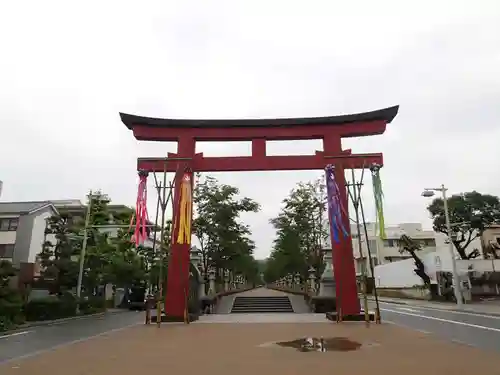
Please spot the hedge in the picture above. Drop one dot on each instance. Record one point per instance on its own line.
(54, 307)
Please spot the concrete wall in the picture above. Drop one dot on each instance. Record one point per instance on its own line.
(38, 233)
(401, 275)
(397, 275)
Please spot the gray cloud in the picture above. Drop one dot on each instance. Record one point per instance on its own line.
(67, 71)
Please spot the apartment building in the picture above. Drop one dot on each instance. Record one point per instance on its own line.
(387, 250)
(22, 232)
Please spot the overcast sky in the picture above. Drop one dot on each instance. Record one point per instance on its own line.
(67, 70)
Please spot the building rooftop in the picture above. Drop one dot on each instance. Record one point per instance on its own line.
(22, 207)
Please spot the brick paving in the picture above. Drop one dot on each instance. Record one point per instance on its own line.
(246, 349)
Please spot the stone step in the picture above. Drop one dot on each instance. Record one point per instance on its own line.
(262, 304)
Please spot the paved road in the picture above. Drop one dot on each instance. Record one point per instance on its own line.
(475, 329)
(35, 340)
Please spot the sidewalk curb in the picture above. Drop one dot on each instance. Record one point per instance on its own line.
(58, 321)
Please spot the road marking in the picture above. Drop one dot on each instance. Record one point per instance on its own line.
(15, 334)
(406, 326)
(408, 309)
(462, 343)
(448, 311)
(444, 320)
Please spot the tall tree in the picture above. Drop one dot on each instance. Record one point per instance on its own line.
(224, 240)
(59, 254)
(301, 228)
(470, 214)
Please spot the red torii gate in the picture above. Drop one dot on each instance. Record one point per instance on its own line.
(330, 129)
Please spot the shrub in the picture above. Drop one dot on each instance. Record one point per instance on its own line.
(92, 305)
(10, 299)
(50, 308)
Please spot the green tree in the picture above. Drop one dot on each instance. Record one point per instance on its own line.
(470, 214)
(10, 299)
(301, 228)
(408, 245)
(225, 241)
(59, 255)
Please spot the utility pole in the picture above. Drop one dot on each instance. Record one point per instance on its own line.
(82, 253)
(457, 287)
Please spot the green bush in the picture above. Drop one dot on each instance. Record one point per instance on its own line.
(10, 299)
(92, 305)
(50, 308)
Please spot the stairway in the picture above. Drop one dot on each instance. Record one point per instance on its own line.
(246, 305)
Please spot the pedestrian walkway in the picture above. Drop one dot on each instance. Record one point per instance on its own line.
(249, 349)
(263, 318)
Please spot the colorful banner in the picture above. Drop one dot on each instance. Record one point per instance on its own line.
(379, 198)
(141, 211)
(185, 210)
(335, 208)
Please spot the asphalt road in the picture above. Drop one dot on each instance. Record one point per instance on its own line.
(474, 329)
(36, 340)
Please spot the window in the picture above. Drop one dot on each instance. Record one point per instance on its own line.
(390, 243)
(428, 242)
(7, 251)
(8, 224)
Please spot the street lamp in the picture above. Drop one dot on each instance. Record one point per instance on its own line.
(429, 192)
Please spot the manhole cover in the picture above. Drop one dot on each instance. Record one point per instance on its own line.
(314, 344)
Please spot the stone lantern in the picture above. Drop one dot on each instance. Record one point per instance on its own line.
(194, 255)
(327, 280)
(312, 280)
(211, 281)
(226, 280)
(296, 280)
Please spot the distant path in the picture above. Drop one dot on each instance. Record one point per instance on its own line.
(298, 303)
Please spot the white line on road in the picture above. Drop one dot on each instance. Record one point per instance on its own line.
(15, 334)
(408, 309)
(408, 327)
(447, 310)
(444, 320)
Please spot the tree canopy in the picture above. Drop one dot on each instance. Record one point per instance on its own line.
(301, 229)
(470, 214)
(110, 255)
(224, 240)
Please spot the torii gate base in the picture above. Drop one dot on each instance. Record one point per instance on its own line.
(330, 129)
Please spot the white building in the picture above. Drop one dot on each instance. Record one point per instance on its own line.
(22, 233)
(22, 230)
(387, 250)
